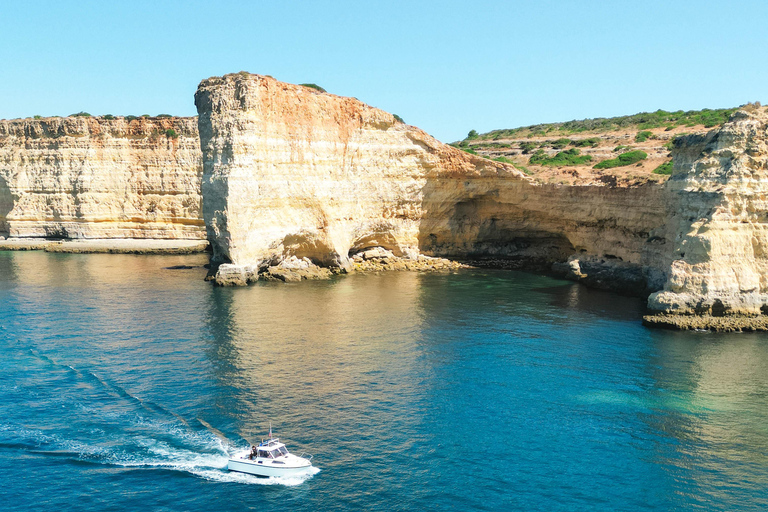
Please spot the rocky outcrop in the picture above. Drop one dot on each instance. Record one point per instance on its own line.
(716, 258)
(88, 177)
(293, 172)
(290, 171)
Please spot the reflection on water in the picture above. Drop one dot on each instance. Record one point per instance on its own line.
(476, 390)
(327, 354)
(721, 385)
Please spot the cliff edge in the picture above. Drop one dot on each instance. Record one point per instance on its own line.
(717, 228)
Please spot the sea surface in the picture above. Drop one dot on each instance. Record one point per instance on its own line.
(127, 380)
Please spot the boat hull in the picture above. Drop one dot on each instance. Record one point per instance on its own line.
(266, 469)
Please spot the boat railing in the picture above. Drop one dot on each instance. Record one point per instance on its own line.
(305, 455)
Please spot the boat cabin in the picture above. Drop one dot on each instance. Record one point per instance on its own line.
(270, 449)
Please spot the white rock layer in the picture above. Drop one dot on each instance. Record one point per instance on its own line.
(85, 177)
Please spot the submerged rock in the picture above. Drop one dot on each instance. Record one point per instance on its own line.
(732, 323)
(234, 275)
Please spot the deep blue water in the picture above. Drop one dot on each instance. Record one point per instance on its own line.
(125, 382)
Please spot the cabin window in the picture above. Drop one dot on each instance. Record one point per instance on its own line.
(283, 450)
(275, 453)
(265, 454)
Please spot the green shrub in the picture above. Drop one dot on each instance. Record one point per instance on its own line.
(314, 86)
(398, 118)
(38, 117)
(591, 141)
(163, 116)
(628, 158)
(567, 157)
(469, 150)
(472, 134)
(503, 159)
(643, 136)
(621, 148)
(527, 147)
(559, 143)
(80, 114)
(130, 118)
(108, 117)
(171, 133)
(665, 169)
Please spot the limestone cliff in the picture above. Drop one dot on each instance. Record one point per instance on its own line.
(293, 172)
(88, 177)
(290, 171)
(717, 222)
(287, 175)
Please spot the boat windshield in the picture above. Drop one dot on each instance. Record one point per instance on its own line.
(277, 452)
(283, 450)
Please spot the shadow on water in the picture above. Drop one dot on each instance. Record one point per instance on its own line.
(709, 391)
(577, 297)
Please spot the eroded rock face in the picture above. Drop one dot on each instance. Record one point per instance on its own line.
(292, 172)
(86, 177)
(603, 230)
(717, 261)
(289, 171)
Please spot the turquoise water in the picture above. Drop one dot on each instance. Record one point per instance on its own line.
(125, 383)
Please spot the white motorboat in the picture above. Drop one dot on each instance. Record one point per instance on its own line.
(270, 458)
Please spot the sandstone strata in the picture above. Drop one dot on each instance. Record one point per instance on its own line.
(87, 177)
(716, 258)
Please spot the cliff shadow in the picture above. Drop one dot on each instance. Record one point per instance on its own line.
(6, 205)
(483, 226)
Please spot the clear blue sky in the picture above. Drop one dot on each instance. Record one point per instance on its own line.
(446, 67)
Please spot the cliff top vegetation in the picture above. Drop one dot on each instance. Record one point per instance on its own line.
(707, 118)
(625, 151)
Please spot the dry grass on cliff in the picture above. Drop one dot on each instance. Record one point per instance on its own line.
(565, 154)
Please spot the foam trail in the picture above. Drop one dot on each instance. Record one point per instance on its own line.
(218, 433)
(126, 431)
(142, 451)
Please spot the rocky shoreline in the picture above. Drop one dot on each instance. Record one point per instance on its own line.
(295, 269)
(732, 323)
(106, 246)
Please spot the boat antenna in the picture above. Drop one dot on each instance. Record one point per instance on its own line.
(270, 430)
